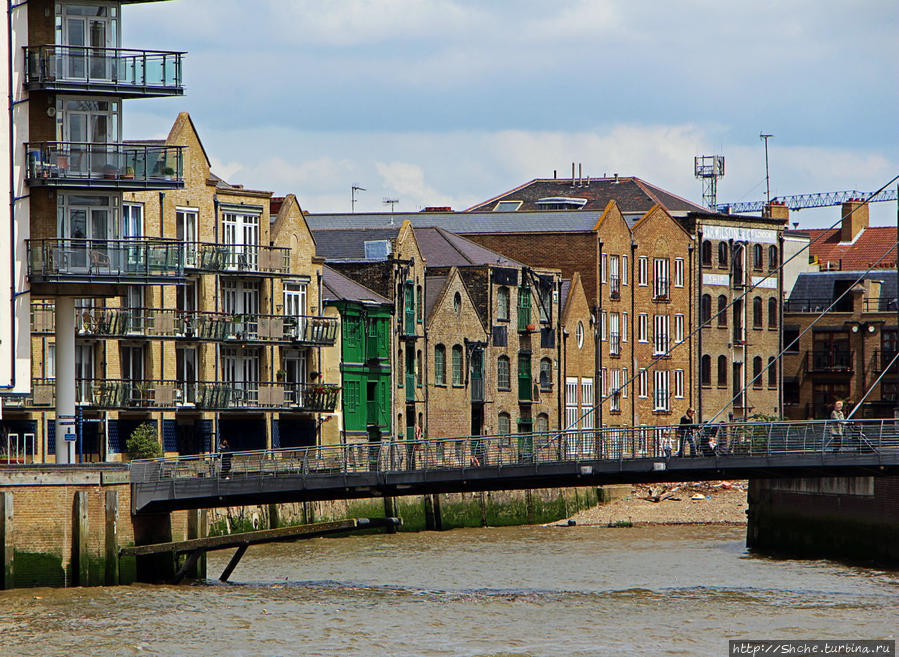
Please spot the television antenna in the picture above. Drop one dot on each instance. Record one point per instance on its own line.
(709, 168)
(353, 190)
(391, 202)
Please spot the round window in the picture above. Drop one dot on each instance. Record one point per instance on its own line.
(579, 333)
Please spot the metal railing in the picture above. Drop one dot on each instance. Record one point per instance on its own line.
(750, 439)
(245, 258)
(76, 260)
(120, 70)
(829, 361)
(614, 287)
(820, 305)
(190, 324)
(660, 289)
(104, 165)
(174, 394)
(614, 344)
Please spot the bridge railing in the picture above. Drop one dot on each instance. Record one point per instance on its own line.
(769, 439)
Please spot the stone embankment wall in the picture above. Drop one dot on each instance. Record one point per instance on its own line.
(854, 518)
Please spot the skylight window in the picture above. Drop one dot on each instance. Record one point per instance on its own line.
(507, 206)
(561, 203)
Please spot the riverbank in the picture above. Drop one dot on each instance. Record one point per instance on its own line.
(712, 503)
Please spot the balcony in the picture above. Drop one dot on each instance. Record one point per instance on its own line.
(614, 344)
(112, 71)
(124, 166)
(181, 395)
(132, 261)
(844, 305)
(236, 258)
(660, 344)
(191, 325)
(880, 360)
(614, 287)
(829, 361)
(660, 290)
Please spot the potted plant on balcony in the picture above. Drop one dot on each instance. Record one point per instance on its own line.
(129, 173)
(168, 172)
(281, 376)
(109, 172)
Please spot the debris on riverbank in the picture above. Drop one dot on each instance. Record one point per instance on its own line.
(714, 502)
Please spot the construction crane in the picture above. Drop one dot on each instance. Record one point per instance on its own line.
(801, 201)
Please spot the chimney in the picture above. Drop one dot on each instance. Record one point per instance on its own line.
(572, 174)
(580, 174)
(776, 210)
(855, 219)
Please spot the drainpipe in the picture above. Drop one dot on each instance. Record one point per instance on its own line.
(635, 372)
(690, 251)
(562, 370)
(699, 353)
(597, 340)
(780, 325)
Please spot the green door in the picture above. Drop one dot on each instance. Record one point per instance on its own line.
(525, 439)
(525, 384)
(477, 375)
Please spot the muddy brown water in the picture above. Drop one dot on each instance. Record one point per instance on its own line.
(511, 591)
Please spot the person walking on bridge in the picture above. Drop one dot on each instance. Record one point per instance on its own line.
(685, 434)
(838, 421)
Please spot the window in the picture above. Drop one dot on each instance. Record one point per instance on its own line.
(791, 339)
(624, 270)
(603, 325)
(440, 365)
(660, 335)
(772, 372)
(546, 374)
(524, 307)
(679, 328)
(132, 220)
(457, 365)
(419, 305)
(772, 313)
(503, 424)
(525, 388)
(507, 206)
(624, 382)
(643, 271)
(757, 372)
(660, 390)
(660, 278)
(757, 312)
(705, 371)
(604, 267)
(604, 382)
(614, 277)
(678, 384)
(542, 425)
(186, 222)
(571, 403)
(418, 368)
(706, 253)
(678, 272)
(457, 302)
(503, 377)
(773, 257)
(757, 256)
(643, 327)
(722, 371)
(643, 383)
(579, 334)
(51, 361)
(240, 232)
(587, 402)
(614, 334)
(502, 303)
(722, 255)
(615, 392)
(722, 311)
(705, 309)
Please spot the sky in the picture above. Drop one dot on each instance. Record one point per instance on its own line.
(451, 102)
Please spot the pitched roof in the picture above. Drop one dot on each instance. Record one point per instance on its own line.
(442, 248)
(631, 193)
(348, 243)
(860, 254)
(461, 222)
(819, 286)
(337, 287)
(433, 291)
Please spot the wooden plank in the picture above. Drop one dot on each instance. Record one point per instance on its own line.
(226, 573)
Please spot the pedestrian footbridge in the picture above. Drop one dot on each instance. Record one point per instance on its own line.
(760, 450)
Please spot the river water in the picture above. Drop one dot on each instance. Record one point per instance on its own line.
(511, 591)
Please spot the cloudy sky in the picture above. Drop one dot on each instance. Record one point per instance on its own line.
(450, 102)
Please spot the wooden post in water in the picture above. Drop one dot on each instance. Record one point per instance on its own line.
(483, 500)
(529, 504)
(80, 531)
(197, 527)
(390, 512)
(274, 517)
(7, 574)
(112, 538)
(438, 514)
(429, 512)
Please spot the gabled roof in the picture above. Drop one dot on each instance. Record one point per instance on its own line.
(434, 286)
(442, 248)
(337, 287)
(184, 117)
(632, 195)
(860, 254)
(349, 243)
(462, 222)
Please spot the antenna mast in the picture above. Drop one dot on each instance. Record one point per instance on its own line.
(765, 138)
(709, 168)
(353, 190)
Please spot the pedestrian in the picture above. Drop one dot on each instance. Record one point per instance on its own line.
(838, 421)
(225, 453)
(665, 443)
(685, 434)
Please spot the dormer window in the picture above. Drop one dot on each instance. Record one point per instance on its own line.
(507, 206)
(561, 203)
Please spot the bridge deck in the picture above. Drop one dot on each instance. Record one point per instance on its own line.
(517, 461)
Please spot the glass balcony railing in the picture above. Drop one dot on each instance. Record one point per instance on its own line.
(116, 71)
(173, 394)
(190, 324)
(104, 165)
(104, 261)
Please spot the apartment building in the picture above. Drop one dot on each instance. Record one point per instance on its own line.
(578, 369)
(70, 169)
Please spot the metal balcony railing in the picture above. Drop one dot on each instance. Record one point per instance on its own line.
(844, 305)
(115, 71)
(614, 344)
(660, 401)
(614, 287)
(190, 324)
(659, 344)
(243, 258)
(104, 165)
(829, 361)
(122, 261)
(881, 359)
(173, 394)
(883, 304)
(660, 290)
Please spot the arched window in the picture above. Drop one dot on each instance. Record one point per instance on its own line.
(457, 303)
(457, 365)
(419, 304)
(757, 312)
(772, 313)
(772, 372)
(757, 372)
(503, 425)
(707, 253)
(722, 310)
(502, 303)
(440, 365)
(503, 379)
(705, 370)
(399, 366)
(546, 374)
(705, 308)
(773, 257)
(757, 256)
(722, 255)
(542, 425)
(579, 334)
(722, 371)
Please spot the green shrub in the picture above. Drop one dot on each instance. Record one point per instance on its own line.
(143, 443)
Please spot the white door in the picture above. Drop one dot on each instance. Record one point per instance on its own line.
(295, 375)
(89, 31)
(84, 372)
(295, 308)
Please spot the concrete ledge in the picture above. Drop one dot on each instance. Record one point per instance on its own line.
(64, 475)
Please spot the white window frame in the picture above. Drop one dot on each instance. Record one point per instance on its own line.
(614, 330)
(643, 327)
(132, 220)
(642, 384)
(660, 391)
(678, 272)
(678, 384)
(624, 270)
(660, 326)
(624, 327)
(625, 383)
(603, 325)
(604, 267)
(678, 328)
(643, 271)
(615, 390)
